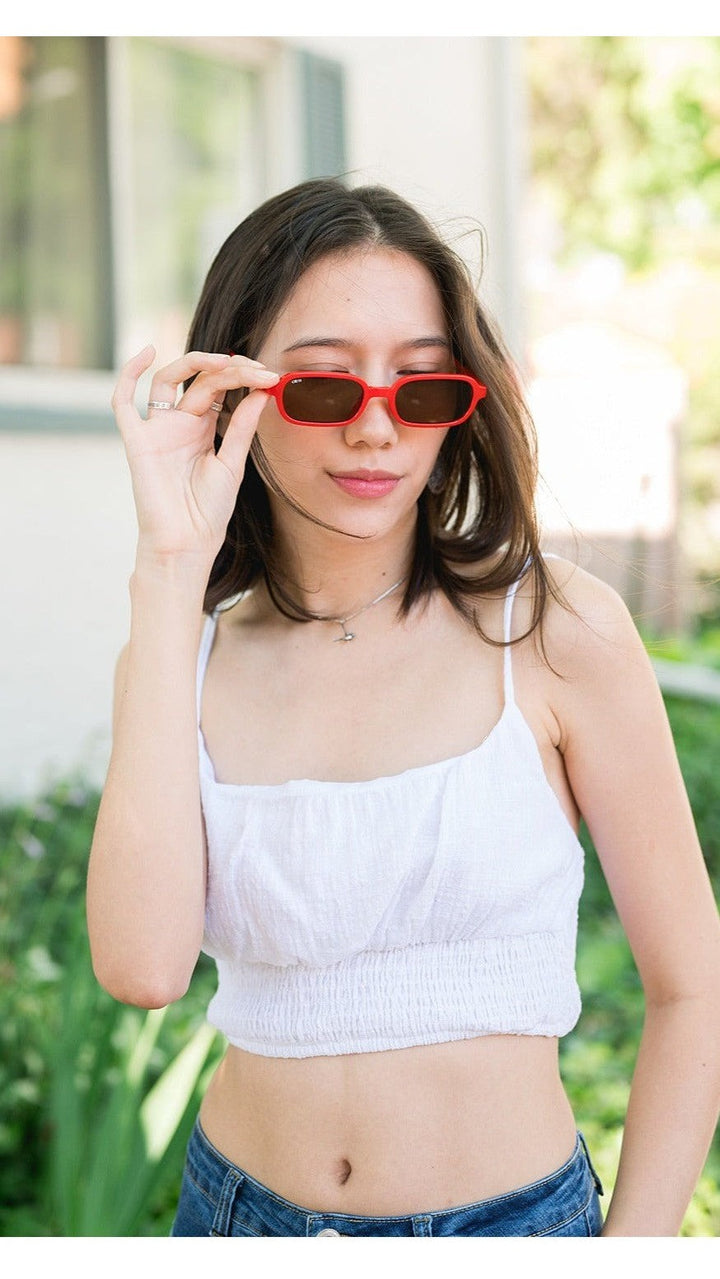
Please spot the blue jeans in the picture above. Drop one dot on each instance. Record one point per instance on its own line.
(217, 1198)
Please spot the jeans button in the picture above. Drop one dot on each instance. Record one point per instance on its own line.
(328, 1231)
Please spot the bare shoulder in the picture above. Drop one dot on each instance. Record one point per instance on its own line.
(595, 674)
(588, 630)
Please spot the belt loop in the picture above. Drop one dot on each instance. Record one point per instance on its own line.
(226, 1202)
(596, 1179)
(422, 1225)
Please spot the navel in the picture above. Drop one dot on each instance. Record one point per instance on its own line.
(344, 1168)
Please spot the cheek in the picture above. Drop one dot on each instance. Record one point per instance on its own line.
(273, 431)
(286, 445)
(431, 448)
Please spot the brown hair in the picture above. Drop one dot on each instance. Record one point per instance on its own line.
(484, 509)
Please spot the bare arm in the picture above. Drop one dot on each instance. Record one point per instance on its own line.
(146, 879)
(623, 769)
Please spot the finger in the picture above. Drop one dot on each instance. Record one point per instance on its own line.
(165, 383)
(123, 399)
(240, 431)
(209, 388)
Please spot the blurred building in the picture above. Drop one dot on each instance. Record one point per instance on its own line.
(124, 163)
(608, 407)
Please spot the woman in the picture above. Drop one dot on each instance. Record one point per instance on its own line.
(403, 710)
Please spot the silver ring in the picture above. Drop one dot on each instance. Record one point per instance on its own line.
(160, 404)
(216, 408)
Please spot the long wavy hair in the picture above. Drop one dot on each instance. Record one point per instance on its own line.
(476, 530)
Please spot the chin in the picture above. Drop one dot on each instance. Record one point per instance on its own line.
(364, 529)
(371, 523)
(356, 518)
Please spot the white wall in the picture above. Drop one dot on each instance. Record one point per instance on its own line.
(429, 116)
(440, 119)
(68, 534)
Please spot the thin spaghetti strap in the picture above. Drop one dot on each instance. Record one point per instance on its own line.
(507, 636)
(507, 629)
(206, 642)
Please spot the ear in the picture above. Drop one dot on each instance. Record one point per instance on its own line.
(438, 476)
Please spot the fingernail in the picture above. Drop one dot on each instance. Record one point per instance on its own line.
(267, 373)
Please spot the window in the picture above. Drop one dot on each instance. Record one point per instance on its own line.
(193, 171)
(124, 164)
(55, 283)
(323, 93)
(81, 275)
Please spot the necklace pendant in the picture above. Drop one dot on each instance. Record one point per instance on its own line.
(340, 621)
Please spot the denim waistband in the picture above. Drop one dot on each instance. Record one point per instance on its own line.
(237, 1203)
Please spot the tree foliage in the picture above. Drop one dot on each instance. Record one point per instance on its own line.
(626, 142)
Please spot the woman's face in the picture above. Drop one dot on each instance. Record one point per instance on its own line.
(376, 313)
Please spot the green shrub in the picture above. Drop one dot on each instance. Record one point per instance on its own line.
(97, 1099)
(696, 729)
(597, 1060)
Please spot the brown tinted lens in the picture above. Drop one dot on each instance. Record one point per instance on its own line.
(324, 400)
(434, 401)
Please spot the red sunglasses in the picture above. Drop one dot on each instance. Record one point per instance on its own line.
(337, 399)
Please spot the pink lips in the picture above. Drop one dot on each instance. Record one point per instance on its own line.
(367, 483)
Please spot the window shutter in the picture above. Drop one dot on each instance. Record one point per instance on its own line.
(323, 92)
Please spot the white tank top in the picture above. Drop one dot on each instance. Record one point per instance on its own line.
(431, 905)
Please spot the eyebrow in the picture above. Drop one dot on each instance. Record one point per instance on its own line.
(432, 340)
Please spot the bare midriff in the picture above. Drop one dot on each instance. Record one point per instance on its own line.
(398, 1132)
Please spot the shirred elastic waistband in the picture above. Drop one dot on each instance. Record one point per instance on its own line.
(380, 1000)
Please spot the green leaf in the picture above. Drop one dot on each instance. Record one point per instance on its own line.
(165, 1104)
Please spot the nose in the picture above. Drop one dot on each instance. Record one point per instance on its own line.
(376, 427)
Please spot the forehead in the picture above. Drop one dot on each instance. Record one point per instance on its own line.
(379, 294)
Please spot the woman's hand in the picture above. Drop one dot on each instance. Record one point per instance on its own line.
(184, 492)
